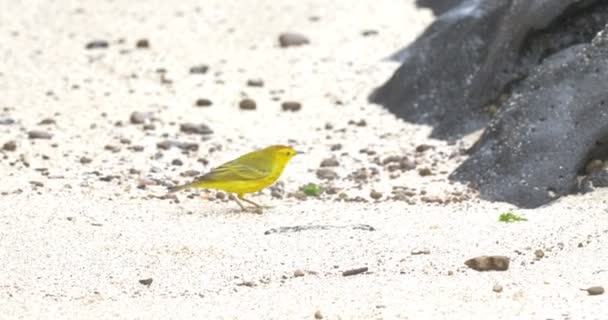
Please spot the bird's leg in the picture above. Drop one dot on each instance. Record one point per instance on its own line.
(240, 204)
(257, 209)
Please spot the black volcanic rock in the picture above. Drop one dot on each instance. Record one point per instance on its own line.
(452, 74)
(543, 136)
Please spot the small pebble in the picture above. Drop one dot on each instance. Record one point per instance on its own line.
(360, 123)
(353, 272)
(142, 44)
(289, 39)
(9, 146)
(367, 33)
(407, 164)
(146, 282)
(97, 44)
(300, 195)
(325, 173)
(47, 121)
(424, 172)
(335, 147)
(85, 160)
(195, 128)
(247, 104)
(329, 162)
(112, 148)
(594, 291)
(423, 147)
(291, 106)
(177, 162)
(35, 134)
(298, 273)
(318, 315)
(220, 195)
(375, 195)
(200, 69)
(6, 121)
(487, 263)
(539, 254)
(138, 117)
(202, 102)
(257, 82)
(391, 159)
(420, 251)
(497, 288)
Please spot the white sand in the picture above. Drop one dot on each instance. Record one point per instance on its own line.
(77, 247)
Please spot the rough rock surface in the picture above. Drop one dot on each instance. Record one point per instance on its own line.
(554, 122)
(464, 61)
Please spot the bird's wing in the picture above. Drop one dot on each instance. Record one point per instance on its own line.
(235, 170)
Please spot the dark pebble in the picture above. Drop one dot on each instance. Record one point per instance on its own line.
(195, 128)
(255, 82)
(146, 282)
(375, 195)
(200, 69)
(424, 172)
(166, 145)
(289, 39)
(247, 104)
(329, 162)
(142, 44)
(360, 123)
(202, 102)
(391, 159)
(291, 106)
(336, 147)
(325, 173)
(6, 121)
(190, 173)
(594, 291)
(407, 164)
(9, 146)
(367, 33)
(112, 148)
(97, 44)
(138, 117)
(177, 162)
(423, 147)
(47, 121)
(353, 272)
(35, 134)
(85, 160)
(488, 263)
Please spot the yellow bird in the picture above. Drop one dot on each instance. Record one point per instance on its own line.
(248, 173)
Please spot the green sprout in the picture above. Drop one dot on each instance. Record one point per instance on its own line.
(312, 189)
(509, 217)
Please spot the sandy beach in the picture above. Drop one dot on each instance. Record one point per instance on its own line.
(94, 100)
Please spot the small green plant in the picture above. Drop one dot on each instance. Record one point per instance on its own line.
(509, 217)
(312, 190)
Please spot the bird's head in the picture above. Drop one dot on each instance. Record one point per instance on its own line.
(282, 153)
